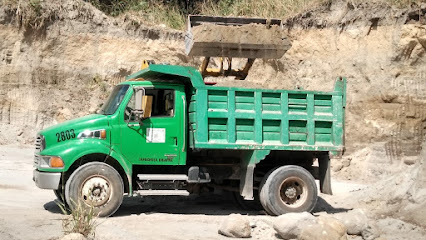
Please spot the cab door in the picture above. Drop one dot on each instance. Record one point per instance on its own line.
(159, 137)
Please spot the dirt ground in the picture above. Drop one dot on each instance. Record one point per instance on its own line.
(31, 213)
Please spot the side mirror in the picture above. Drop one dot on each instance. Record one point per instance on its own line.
(138, 112)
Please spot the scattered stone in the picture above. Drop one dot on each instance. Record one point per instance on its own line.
(354, 220)
(264, 230)
(346, 162)
(370, 233)
(74, 236)
(236, 226)
(337, 167)
(290, 225)
(410, 160)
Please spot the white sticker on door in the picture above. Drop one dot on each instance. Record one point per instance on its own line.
(155, 135)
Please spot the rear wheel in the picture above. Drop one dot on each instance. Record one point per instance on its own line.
(262, 193)
(95, 184)
(288, 189)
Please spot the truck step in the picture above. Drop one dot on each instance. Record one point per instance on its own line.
(163, 192)
(162, 177)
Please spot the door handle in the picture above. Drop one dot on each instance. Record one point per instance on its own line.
(175, 140)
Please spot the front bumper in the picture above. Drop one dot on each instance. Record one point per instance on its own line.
(46, 180)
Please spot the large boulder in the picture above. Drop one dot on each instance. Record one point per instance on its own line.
(236, 225)
(290, 225)
(355, 221)
(333, 223)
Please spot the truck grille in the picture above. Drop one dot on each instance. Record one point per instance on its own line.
(39, 143)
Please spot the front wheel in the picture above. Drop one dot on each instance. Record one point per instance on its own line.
(96, 185)
(288, 189)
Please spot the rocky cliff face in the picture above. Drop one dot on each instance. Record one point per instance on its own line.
(63, 66)
(62, 62)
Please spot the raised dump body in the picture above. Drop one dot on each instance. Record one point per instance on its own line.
(213, 36)
(239, 118)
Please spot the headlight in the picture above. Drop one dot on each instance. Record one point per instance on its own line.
(48, 162)
(101, 134)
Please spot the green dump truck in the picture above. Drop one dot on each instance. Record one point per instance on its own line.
(163, 131)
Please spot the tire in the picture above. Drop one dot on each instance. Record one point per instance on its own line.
(288, 189)
(95, 184)
(262, 196)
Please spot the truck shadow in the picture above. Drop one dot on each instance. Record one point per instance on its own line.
(208, 204)
(323, 206)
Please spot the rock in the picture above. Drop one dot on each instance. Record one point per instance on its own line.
(354, 220)
(290, 225)
(337, 167)
(235, 225)
(370, 233)
(334, 223)
(410, 160)
(74, 236)
(320, 231)
(346, 162)
(263, 230)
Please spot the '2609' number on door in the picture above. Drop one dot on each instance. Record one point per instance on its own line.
(65, 135)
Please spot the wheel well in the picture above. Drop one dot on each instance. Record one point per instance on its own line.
(281, 158)
(98, 157)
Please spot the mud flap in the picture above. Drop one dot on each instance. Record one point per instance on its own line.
(248, 163)
(246, 182)
(325, 174)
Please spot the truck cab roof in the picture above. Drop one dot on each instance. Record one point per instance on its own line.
(182, 74)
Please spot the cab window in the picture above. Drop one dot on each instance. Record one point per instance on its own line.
(156, 103)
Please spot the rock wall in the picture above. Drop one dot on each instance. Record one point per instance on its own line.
(64, 66)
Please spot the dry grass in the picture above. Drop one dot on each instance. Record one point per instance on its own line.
(259, 8)
(81, 220)
(173, 14)
(35, 14)
(277, 8)
(31, 14)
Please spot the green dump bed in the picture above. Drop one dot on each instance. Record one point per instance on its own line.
(238, 118)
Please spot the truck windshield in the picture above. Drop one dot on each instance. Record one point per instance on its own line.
(114, 100)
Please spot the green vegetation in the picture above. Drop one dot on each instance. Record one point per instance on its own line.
(35, 14)
(173, 12)
(81, 220)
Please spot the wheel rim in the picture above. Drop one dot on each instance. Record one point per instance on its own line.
(96, 191)
(293, 192)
